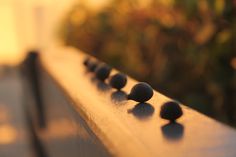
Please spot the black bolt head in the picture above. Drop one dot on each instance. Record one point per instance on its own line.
(92, 65)
(86, 61)
(102, 72)
(141, 92)
(118, 81)
(171, 111)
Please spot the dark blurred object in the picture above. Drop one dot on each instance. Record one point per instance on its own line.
(141, 92)
(173, 131)
(86, 61)
(171, 111)
(30, 69)
(92, 65)
(142, 110)
(118, 81)
(102, 72)
(185, 49)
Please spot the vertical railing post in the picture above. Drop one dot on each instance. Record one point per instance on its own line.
(32, 75)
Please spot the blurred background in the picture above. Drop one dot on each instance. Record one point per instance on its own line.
(184, 49)
(27, 24)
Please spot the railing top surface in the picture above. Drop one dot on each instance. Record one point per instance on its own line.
(124, 128)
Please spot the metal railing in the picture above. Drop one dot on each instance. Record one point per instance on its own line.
(124, 127)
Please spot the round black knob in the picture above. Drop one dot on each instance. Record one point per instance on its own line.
(171, 111)
(141, 92)
(102, 72)
(86, 61)
(118, 81)
(92, 65)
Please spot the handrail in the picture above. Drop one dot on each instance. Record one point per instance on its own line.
(128, 130)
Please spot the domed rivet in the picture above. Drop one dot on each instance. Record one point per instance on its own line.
(102, 72)
(92, 65)
(86, 61)
(171, 111)
(141, 92)
(118, 81)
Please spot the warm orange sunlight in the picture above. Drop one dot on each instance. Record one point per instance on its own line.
(9, 49)
(95, 4)
(7, 134)
(123, 78)
(64, 128)
(28, 24)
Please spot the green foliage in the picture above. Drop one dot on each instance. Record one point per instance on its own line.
(185, 49)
